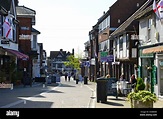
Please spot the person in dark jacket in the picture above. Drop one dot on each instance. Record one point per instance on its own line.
(133, 81)
(66, 75)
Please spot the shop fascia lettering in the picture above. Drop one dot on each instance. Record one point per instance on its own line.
(24, 36)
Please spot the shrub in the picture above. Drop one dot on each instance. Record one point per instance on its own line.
(140, 84)
(142, 95)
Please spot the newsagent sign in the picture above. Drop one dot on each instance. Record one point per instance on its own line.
(105, 57)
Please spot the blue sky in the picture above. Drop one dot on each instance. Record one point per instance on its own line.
(65, 24)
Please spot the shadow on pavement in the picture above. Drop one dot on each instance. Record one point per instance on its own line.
(112, 103)
(34, 104)
(66, 85)
(118, 99)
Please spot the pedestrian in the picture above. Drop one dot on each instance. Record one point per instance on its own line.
(122, 77)
(80, 78)
(122, 84)
(107, 76)
(66, 76)
(74, 76)
(69, 76)
(77, 77)
(133, 81)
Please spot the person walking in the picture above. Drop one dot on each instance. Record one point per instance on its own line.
(122, 77)
(80, 78)
(66, 76)
(133, 81)
(69, 76)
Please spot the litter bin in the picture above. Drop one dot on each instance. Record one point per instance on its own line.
(85, 80)
(102, 89)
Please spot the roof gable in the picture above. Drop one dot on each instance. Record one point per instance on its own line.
(59, 54)
(25, 11)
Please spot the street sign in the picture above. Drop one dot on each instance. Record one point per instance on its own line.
(110, 58)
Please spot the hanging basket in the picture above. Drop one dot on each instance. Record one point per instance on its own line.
(149, 68)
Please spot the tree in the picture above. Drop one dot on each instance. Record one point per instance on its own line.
(73, 62)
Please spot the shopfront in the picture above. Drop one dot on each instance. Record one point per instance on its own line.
(9, 60)
(147, 70)
(151, 69)
(160, 73)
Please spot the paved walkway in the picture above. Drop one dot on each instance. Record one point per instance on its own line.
(120, 102)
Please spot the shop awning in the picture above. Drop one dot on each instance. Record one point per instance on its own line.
(156, 49)
(18, 54)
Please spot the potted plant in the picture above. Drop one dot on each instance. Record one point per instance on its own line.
(142, 99)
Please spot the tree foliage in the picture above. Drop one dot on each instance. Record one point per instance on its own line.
(73, 62)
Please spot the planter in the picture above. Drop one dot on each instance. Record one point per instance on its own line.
(141, 104)
(142, 99)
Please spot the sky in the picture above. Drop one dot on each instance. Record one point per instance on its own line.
(65, 24)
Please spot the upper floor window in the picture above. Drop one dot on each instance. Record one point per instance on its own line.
(103, 46)
(127, 41)
(34, 41)
(104, 24)
(121, 43)
(149, 29)
(116, 44)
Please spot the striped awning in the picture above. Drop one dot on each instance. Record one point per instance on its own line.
(156, 49)
(17, 53)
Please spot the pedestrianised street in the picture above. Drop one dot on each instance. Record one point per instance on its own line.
(64, 94)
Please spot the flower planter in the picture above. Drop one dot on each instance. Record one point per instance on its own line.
(140, 104)
(142, 99)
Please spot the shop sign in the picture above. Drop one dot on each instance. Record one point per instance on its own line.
(24, 36)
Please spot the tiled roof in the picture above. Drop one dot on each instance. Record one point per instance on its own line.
(54, 54)
(22, 10)
(124, 25)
